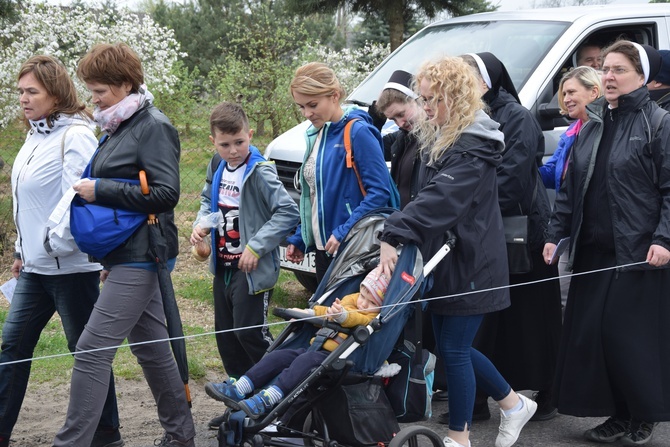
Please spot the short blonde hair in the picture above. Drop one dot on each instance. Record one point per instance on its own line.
(453, 80)
(588, 77)
(316, 79)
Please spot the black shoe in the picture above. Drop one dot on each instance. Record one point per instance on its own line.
(107, 438)
(545, 410)
(441, 396)
(640, 433)
(4, 442)
(611, 430)
(217, 421)
(479, 413)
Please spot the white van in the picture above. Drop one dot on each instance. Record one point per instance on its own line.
(536, 46)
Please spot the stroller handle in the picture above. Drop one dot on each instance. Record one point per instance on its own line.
(450, 242)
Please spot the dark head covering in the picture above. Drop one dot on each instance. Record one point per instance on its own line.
(495, 74)
(402, 81)
(663, 75)
(650, 59)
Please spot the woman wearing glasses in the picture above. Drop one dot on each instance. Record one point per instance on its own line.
(614, 358)
(460, 148)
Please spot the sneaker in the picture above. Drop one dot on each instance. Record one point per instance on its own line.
(448, 442)
(639, 433)
(216, 422)
(106, 438)
(479, 413)
(225, 392)
(545, 409)
(169, 441)
(257, 405)
(611, 430)
(510, 426)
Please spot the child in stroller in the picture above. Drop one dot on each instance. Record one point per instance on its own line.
(291, 366)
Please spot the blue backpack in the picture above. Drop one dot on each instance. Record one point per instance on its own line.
(97, 229)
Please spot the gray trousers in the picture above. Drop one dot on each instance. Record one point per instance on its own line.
(129, 306)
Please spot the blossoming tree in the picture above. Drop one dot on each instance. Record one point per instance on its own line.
(68, 33)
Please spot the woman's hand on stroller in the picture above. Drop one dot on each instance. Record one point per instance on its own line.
(336, 312)
(388, 256)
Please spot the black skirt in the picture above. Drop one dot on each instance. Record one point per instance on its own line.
(614, 357)
(522, 340)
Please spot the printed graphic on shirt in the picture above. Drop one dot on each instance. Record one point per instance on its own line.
(229, 246)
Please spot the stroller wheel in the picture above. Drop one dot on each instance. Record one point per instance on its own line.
(257, 440)
(416, 436)
(308, 428)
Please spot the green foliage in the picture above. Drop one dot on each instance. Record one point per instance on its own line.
(258, 67)
(396, 13)
(8, 8)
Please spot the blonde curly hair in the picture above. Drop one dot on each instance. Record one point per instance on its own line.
(453, 81)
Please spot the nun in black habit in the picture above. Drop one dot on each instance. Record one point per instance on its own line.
(614, 357)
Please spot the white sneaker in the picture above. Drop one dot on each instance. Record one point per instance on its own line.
(448, 442)
(510, 426)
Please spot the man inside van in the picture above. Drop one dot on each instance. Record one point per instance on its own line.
(589, 55)
(659, 88)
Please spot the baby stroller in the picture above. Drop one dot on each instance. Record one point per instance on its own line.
(341, 402)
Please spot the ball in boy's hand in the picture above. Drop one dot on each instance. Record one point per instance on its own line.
(201, 251)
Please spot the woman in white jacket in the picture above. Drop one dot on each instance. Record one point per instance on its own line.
(53, 275)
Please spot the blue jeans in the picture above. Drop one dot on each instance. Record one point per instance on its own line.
(36, 298)
(466, 367)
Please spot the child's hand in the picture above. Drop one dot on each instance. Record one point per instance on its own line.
(336, 312)
(294, 254)
(197, 235)
(248, 261)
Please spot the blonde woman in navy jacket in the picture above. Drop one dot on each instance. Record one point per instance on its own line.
(332, 199)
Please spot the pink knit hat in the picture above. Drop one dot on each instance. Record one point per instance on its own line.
(376, 283)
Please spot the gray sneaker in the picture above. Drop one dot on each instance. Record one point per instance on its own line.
(169, 441)
(611, 430)
(640, 433)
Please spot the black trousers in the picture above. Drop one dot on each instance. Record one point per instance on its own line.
(234, 309)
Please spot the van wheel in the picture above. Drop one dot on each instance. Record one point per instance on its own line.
(307, 280)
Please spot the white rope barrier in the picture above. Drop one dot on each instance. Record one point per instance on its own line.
(186, 337)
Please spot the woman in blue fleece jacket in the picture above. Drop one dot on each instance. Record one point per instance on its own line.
(332, 198)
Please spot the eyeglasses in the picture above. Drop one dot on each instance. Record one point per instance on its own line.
(422, 100)
(615, 70)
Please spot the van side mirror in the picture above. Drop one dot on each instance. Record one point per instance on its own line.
(550, 110)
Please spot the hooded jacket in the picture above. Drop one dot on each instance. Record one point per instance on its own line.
(638, 180)
(459, 192)
(145, 141)
(49, 163)
(339, 198)
(267, 215)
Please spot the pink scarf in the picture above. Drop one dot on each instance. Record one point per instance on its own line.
(110, 118)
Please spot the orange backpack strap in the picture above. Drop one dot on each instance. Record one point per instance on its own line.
(351, 163)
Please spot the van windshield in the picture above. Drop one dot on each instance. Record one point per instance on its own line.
(519, 44)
